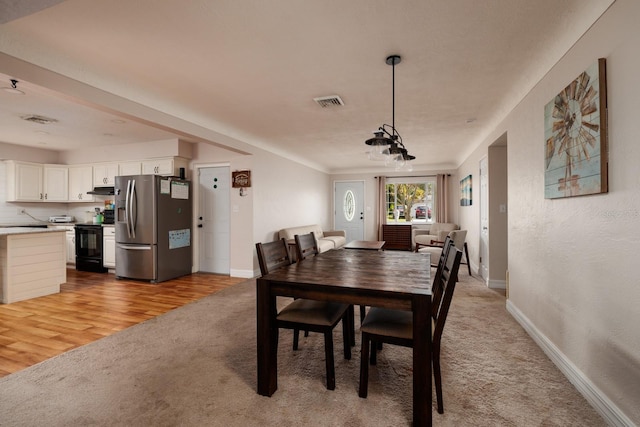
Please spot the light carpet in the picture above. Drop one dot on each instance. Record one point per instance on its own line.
(196, 366)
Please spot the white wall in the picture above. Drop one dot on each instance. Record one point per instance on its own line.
(573, 281)
(287, 194)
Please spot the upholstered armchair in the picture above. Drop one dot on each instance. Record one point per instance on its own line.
(436, 233)
(435, 248)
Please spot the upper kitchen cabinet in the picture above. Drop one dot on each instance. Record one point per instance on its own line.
(56, 183)
(130, 168)
(169, 166)
(80, 181)
(35, 182)
(24, 181)
(104, 174)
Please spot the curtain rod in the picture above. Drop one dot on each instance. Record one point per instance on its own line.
(413, 176)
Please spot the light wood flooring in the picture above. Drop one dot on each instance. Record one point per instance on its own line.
(90, 306)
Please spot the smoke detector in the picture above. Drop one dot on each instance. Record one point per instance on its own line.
(39, 119)
(329, 101)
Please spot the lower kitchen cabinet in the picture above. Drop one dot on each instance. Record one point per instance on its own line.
(71, 246)
(71, 242)
(109, 246)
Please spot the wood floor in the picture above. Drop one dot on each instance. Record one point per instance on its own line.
(90, 306)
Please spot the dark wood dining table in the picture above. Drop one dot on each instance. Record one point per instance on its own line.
(392, 279)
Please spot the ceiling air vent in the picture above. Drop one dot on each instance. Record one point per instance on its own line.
(39, 119)
(329, 101)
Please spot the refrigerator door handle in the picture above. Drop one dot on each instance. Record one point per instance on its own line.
(126, 208)
(134, 248)
(132, 197)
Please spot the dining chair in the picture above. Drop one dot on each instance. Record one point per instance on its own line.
(314, 316)
(436, 288)
(459, 239)
(306, 246)
(436, 285)
(396, 326)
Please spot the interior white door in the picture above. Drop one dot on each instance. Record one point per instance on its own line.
(349, 209)
(483, 268)
(214, 219)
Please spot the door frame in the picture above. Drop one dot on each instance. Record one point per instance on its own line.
(196, 204)
(483, 263)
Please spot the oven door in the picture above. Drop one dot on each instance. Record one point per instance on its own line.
(89, 242)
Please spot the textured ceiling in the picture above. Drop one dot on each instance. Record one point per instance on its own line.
(249, 70)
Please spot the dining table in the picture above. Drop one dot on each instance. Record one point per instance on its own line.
(392, 279)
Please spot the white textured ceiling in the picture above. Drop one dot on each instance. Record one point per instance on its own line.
(249, 70)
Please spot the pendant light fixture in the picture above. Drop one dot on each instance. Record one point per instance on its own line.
(386, 145)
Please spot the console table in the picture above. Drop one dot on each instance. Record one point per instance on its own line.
(397, 236)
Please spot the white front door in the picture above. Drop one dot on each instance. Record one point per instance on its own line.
(483, 268)
(214, 219)
(349, 209)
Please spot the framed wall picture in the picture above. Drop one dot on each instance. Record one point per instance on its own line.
(241, 179)
(465, 191)
(575, 132)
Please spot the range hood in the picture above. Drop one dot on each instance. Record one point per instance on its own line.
(102, 191)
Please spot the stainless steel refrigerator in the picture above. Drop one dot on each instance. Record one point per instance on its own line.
(153, 224)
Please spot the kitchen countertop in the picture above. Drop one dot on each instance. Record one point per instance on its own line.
(10, 231)
(34, 224)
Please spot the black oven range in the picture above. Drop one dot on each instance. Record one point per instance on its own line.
(89, 248)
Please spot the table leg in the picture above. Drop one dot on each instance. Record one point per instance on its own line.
(422, 384)
(267, 339)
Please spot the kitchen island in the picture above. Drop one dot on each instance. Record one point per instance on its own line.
(32, 262)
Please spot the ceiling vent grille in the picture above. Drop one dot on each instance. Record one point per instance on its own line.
(329, 101)
(39, 119)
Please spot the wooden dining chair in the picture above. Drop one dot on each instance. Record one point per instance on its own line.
(396, 326)
(314, 316)
(436, 286)
(306, 246)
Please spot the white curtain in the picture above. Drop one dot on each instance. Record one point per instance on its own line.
(442, 199)
(381, 215)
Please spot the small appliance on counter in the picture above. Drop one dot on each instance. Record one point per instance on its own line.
(109, 216)
(98, 218)
(108, 213)
(61, 219)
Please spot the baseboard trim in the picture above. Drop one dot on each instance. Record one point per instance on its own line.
(596, 398)
(244, 274)
(497, 284)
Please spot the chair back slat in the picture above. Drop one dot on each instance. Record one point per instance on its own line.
(447, 281)
(272, 255)
(306, 245)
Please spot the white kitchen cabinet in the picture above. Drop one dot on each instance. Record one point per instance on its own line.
(169, 166)
(71, 242)
(24, 181)
(109, 246)
(80, 181)
(130, 168)
(55, 183)
(104, 174)
(71, 246)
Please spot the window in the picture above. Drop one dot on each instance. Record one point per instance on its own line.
(411, 200)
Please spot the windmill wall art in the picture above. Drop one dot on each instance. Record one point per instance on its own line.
(575, 132)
